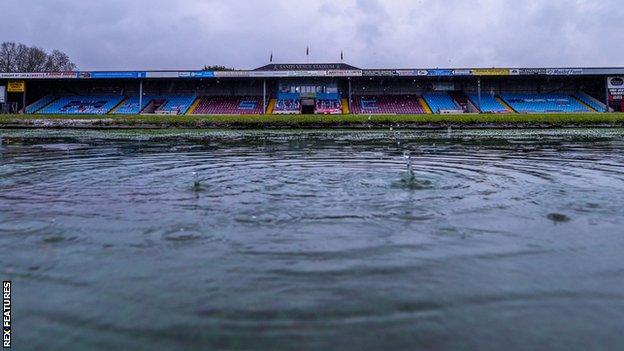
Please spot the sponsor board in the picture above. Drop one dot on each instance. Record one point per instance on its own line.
(379, 73)
(439, 72)
(269, 74)
(564, 71)
(119, 75)
(231, 74)
(162, 74)
(60, 75)
(40, 75)
(202, 74)
(344, 73)
(616, 82)
(491, 72)
(462, 72)
(16, 86)
(616, 87)
(390, 73)
(527, 71)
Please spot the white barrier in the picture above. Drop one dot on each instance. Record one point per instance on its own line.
(450, 112)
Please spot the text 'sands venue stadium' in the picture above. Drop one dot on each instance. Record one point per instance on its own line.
(317, 89)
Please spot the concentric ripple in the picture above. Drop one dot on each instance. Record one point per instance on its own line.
(254, 240)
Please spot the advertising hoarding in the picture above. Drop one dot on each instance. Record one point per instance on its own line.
(616, 88)
(491, 72)
(18, 86)
(564, 71)
(119, 75)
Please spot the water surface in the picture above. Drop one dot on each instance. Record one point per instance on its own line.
(318, 240)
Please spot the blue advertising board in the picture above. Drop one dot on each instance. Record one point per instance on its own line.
(202, 74)
(439, 72)
(110, 75)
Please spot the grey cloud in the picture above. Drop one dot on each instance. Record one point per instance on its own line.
(186, 34)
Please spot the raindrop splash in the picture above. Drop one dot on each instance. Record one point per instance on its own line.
(408, 162)
(196, 182)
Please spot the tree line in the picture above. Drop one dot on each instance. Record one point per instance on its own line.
(17, 57)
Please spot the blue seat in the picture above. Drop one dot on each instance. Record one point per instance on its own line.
(440, 101)
(489, 103)
(542, 103)
(85, 105)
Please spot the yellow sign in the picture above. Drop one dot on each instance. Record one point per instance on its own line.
(16, 86)
(491, 72)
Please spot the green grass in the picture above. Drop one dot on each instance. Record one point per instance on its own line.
(583, 119)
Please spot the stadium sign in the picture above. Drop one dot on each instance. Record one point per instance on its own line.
(616, 87)
(306, 67)
(16, 86)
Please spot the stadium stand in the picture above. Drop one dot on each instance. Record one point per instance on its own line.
(87, 105)
(591, 101)
(175, 104)
(461, 99)
(328, 106)
(221, 105)
(441, 101)
(39, 104)
(489, 103)
(390, 104)
(289, 106)
(131, 105)
(542, 103)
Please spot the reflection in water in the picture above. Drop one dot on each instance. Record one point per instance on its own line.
(312, 241)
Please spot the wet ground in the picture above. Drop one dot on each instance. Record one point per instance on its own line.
(316, 240)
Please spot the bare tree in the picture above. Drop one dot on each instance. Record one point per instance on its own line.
(16, 57)
(8, 56)
(59, 61)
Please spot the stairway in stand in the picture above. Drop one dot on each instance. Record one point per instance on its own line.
(345, 106)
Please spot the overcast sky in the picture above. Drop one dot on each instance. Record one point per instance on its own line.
(186, 34)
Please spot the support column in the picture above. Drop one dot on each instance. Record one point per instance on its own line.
(140, 95)
(479, 92)
(350, 96)
(264, 102)
(24, 99)
(607, 94)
